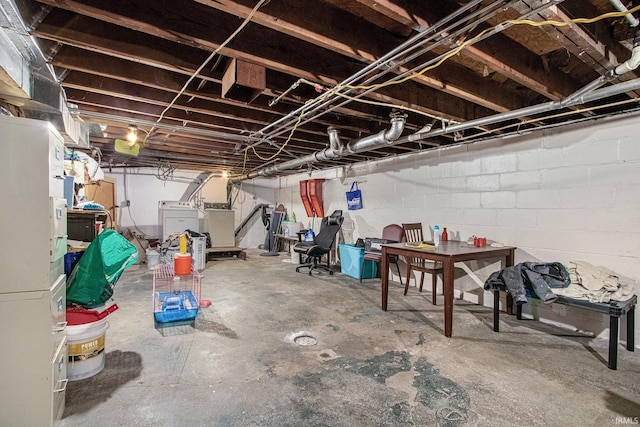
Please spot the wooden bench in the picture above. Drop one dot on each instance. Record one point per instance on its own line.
(615, 310)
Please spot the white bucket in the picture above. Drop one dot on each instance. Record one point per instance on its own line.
(153, 259)
(295, 257)
(85, 348)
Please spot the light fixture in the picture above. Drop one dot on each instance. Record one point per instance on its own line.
(132, 136)
(225, 174)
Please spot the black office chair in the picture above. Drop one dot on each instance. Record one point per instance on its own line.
(322, 244)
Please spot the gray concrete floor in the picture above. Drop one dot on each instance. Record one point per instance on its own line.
(239, 365)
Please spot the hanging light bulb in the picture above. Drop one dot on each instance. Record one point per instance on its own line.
(132, 136)
(225, 174)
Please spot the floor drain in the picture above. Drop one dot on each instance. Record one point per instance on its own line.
(305, 340)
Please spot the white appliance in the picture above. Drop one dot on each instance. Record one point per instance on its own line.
(221, 227)
(176, 217)
(33, 367)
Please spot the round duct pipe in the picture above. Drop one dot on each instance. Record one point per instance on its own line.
(336, 148)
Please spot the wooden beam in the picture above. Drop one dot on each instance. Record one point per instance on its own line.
(332, 30)
(497, 53)
(264, 48)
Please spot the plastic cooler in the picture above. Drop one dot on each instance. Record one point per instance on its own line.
(351, 262)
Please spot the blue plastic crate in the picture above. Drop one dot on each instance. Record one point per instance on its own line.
(176, 306)
(351, 262)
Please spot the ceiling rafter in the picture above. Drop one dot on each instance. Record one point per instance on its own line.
(123, 63)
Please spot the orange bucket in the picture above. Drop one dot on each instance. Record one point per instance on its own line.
(182, 264)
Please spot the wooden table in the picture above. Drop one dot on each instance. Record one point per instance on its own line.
(448, 253)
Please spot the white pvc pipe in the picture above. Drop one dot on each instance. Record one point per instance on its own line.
(631, 63)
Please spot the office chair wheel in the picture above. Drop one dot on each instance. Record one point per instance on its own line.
(330, 272)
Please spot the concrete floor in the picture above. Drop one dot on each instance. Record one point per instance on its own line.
(239, 366)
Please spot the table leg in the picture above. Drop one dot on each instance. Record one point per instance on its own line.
(300, 240)
(384, 275)
(496, 310)
(509, 260)
(613, 342)
(631, 329)
(447, 280)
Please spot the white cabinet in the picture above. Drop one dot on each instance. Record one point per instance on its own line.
(34, 364)
(33, 224)
(32, 214)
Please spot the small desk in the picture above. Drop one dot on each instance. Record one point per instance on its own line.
(448, 253)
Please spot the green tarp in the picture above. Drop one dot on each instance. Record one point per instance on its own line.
(92, 280)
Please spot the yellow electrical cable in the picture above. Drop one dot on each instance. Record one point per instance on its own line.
(335, 91)
(573, 21)
(285, 142)
(482, 33)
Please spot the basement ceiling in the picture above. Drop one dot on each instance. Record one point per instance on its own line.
(239, 86)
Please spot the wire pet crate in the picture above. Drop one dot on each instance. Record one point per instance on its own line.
(176, 299)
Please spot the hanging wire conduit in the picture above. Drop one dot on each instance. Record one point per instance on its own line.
(433, 36)
(384, 65)
(336, 148)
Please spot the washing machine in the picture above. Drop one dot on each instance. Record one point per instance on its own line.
(176, 217)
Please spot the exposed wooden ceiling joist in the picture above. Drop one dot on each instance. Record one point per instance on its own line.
(151, 62)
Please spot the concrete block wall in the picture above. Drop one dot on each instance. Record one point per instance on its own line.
(558, 195)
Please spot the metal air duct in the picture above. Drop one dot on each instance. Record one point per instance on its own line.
(29, 83)
(336, 148)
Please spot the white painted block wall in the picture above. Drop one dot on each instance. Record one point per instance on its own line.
(558, 195)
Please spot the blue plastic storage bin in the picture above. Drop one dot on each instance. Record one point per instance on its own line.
(351, 262)
(176, 306)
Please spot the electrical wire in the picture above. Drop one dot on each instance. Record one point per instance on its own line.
(482, 33)
(400, 107)
(433, 32)
(283, 145)
(336, 90)
(126, 197)
(206, 61)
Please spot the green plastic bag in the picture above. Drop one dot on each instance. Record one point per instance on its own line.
(91, 282)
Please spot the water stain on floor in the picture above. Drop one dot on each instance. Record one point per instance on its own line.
(380, 368)
(449, 402)
(448, 399)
